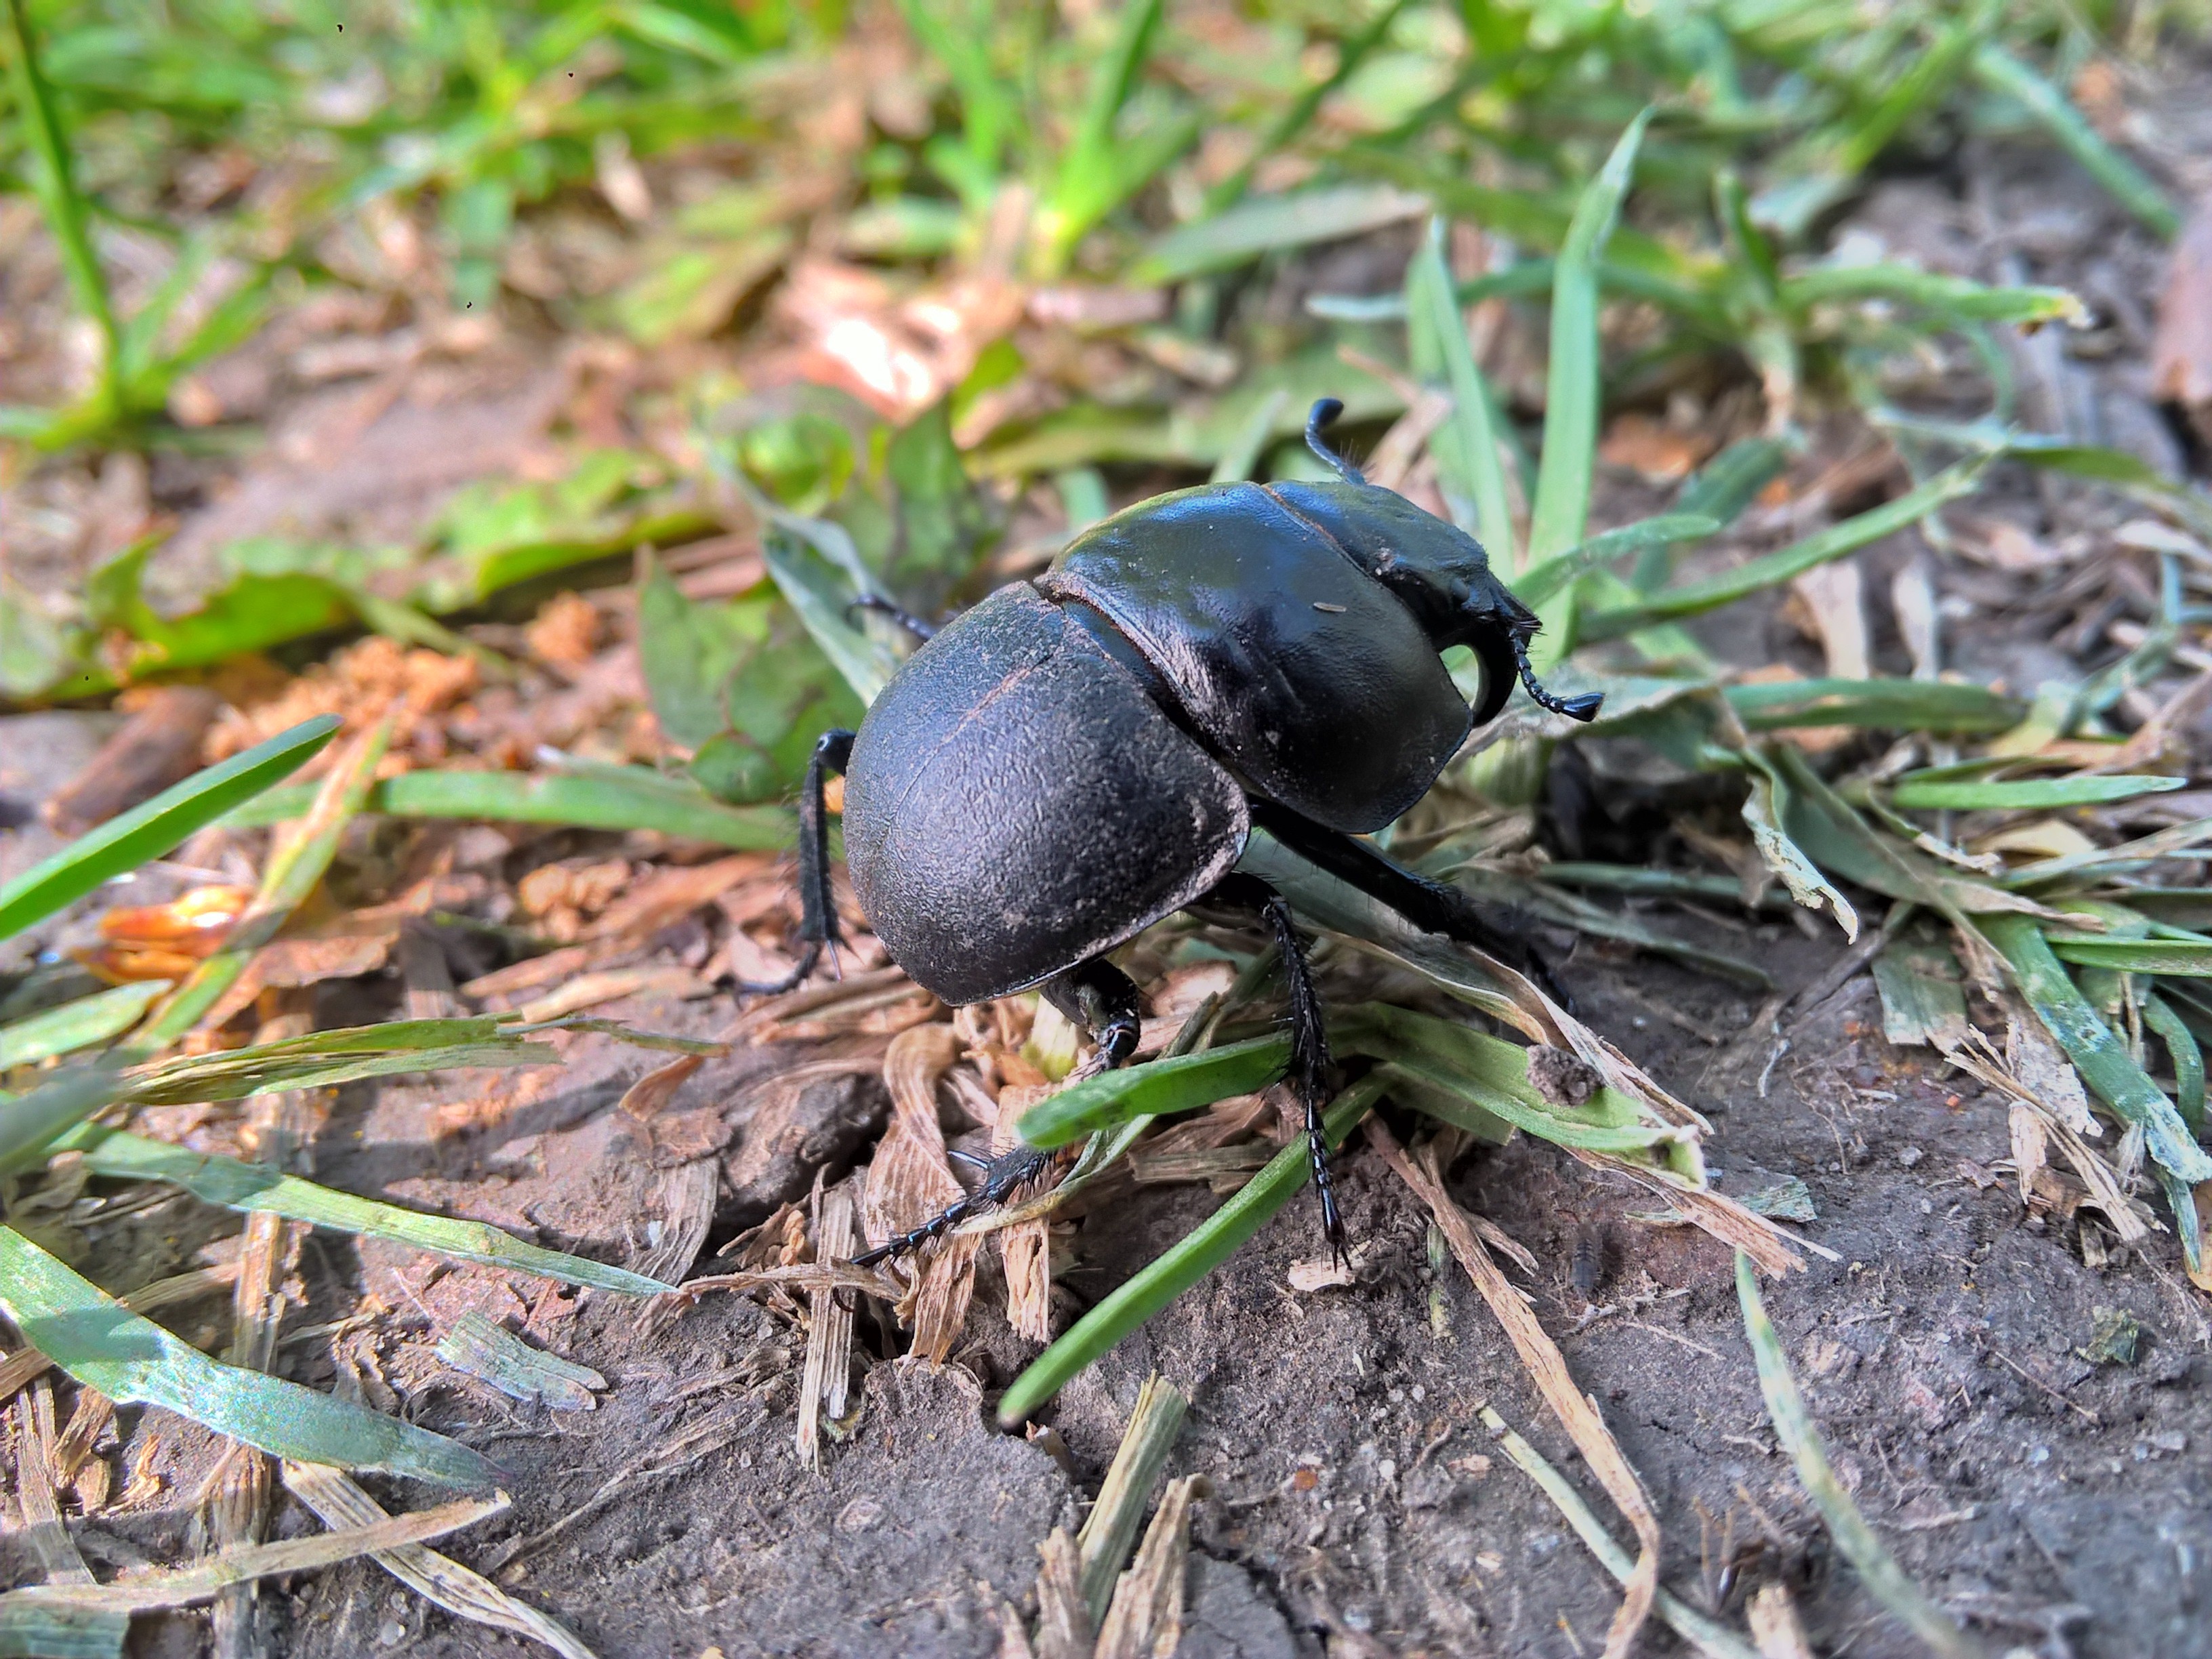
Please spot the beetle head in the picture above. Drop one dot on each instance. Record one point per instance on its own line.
(1438, 570)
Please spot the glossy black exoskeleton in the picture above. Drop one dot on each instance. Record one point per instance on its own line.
(1082, 754)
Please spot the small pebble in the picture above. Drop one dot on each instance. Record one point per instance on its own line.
(391, 1633)
(2038, 1453)
(1911, 1156)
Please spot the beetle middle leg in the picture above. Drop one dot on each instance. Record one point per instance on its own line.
(1309, 1072)
(818, 926)
(1103, 1000)
(1432, 906)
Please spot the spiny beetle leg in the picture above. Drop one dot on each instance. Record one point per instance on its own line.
(1104, 1001)
(1434, 907)
(1309, 1072)
(818, 926)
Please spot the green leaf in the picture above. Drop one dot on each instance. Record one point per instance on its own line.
(133, 1361)
(2024, 794)
(944, 524)
(76, 1024)
(2101, 1058)
(252, 1188)
(64, 1099)
(1692, 598)
(1561, 506)
(35, 654)
(158, 827)
(1199, 1251)
(1922, 1001)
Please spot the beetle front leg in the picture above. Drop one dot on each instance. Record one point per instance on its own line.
(1309, 1071)
(818, 925)
(1103, 1000)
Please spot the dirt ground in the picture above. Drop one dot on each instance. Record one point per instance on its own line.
(2060, 1502)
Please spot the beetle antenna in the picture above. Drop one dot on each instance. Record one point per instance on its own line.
(1584, 707)
(1318, 421)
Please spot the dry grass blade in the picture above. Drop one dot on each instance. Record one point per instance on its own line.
(823, 1383)
(145, 1590)
(1064, 1626)
(1793, 1425)
(339, 1503)
(36, 1480)
(1776, 1626)
(1714, 1640)
(1146, 1619)
(911, 1181)
(1547, 1367)
(1112, 1526)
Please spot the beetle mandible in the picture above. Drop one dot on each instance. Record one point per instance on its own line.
(1082, 754)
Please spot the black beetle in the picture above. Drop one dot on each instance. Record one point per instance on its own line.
(1079, 755)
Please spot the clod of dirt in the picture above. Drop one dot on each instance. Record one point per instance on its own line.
(1561, 1076)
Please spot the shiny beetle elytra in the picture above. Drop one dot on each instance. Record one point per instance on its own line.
(1081, 754)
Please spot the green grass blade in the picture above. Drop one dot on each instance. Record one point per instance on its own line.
(252, 1188)
(1561, 506)
(2188, 1061)
(54, 179)
(133, 1361)
(158, 827)
(1693, 599)
(1886, 705)
(1522, 281)
(1538, 583)
(1468, 462)
(1199, 1251)
(1953, 296)
(2181, 958)
(600, 800)
(1269, 224)
(1998, 69)
(76, 1024)
(2101, 1057)
(2024, 794)
(1294, 119)
(1793, 1426)
(1181, 1083)
(29, 1121)
(296, 865)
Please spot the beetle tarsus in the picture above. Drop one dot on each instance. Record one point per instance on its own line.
(922, 630)
(1584, 707)
(817, 924)
(1106, 1002)
(1319, 419)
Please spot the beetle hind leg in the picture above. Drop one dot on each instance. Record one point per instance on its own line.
(1103, 1000)
(818, 926)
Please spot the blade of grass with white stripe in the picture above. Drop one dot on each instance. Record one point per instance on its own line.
(133, 1361)
(1468, 462)
(1913, 794)
(158, 827)
(116, 1155)
(1539, 582)
(1793, 1426)
(1197, 1254)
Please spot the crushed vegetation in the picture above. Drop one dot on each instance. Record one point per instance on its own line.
(440, 452)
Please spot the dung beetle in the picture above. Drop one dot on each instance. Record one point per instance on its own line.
(1079, 755)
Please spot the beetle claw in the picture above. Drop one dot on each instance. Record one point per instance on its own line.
(1582, 708)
